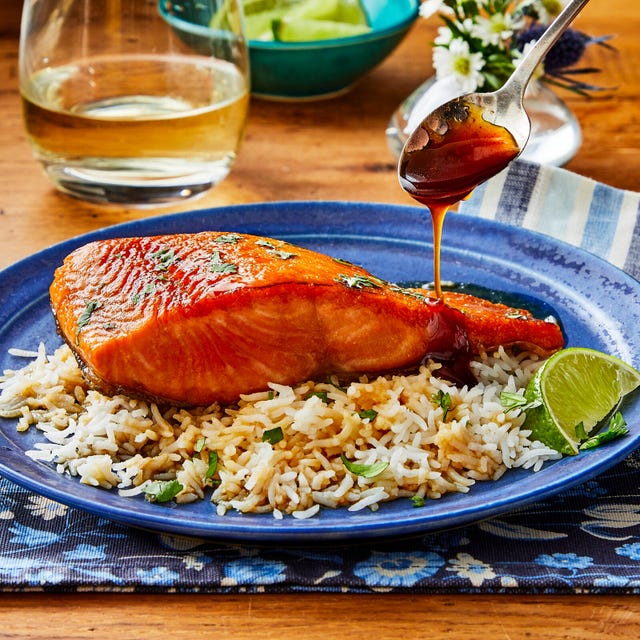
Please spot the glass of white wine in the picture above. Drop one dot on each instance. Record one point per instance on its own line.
(136, 102)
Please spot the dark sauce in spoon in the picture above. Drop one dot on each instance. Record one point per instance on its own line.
(452, 152)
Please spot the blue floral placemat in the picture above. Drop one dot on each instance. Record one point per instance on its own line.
(585, 540)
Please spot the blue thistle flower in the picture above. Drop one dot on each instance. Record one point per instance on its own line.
(567, 52)
(564, 54)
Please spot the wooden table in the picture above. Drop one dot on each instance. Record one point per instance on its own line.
(333, 150)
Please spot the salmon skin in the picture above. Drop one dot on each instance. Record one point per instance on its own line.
(192, 319)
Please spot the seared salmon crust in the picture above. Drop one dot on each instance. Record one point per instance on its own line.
(192, 319)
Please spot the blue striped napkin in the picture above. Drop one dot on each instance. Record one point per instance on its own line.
(585, 213)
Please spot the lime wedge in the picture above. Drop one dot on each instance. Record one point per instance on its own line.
(302, 30)
(260, 16)
(351, 11)
(314, 9)
(575, 385)
(252, 7)
(257, 26)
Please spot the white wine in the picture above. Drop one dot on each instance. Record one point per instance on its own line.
(162, 122)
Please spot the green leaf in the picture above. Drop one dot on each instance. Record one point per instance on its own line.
(218, 266)
(199, 446)
(364, 470)
(318, 394)
(514, 400)
(581, 432)
(272, 436)
(617, 428)
(213, 465)
(358, 281)
(227, 238)
(442, 400)
(368, 414)
(85, 316)
(470, 7)
(418, 501)
(280, 253)
(162, 490)
(165, 258)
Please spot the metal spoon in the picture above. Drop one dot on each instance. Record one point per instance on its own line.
(503, 108)
(472, 138)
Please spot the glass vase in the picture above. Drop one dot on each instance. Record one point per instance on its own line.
(555, 132)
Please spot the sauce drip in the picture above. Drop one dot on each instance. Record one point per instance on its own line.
(453, 151)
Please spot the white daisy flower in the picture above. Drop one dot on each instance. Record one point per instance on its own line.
(547, 10)
(444, 37)
(458, 61)
(495, 29)
(467, 25)
(430, 7)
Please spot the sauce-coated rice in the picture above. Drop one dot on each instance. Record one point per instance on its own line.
(117, 442)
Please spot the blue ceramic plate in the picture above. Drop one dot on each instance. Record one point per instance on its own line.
(598, 305)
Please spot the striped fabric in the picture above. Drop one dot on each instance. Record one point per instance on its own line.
(578, 210)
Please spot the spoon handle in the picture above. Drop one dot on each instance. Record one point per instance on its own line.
(521, 76)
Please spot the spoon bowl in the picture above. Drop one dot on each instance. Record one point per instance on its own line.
(472, 138)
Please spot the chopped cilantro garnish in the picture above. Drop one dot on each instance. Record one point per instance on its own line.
(412, 293)
(581, 432)
(319, 394)
(345, 262)
(228, 238)
(165, 258)
(162, 490)
(368, 414)
(364, 470)
(616, 429)
(274, 251)
(511, 400)
(514, 314)
(272, 436)
(199, 446)
(283, 255)
(85, 316)
(213, 465)
(418, 501)
(358, 281)
(442, 399)
(218, 266)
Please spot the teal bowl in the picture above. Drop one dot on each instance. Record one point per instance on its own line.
(320, 69)
(326, 68)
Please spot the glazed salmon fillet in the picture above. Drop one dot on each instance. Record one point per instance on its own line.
(192, 319)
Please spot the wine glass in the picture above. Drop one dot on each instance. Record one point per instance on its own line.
(135, 102)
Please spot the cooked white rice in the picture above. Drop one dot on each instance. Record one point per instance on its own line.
(118, 442)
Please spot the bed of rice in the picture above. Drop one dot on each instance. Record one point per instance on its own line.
(123, 444)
